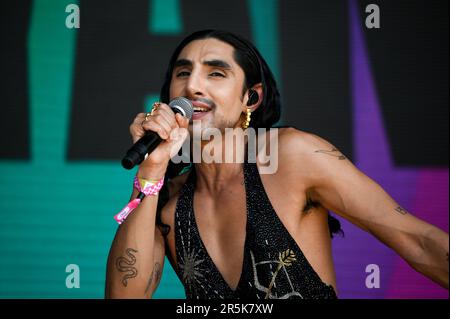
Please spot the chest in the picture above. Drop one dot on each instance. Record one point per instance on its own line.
(221, 222)
(221, 219)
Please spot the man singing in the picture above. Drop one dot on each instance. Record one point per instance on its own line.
(230, 231)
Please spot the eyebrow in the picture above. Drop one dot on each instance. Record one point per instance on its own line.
(215, 63)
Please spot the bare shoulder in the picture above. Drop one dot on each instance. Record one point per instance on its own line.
(302, 156)
(307, 150)
(297, 142)
(295, 145)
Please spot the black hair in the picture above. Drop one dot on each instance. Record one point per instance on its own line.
(256, 71)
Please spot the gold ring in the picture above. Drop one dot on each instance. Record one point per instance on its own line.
(155, 107)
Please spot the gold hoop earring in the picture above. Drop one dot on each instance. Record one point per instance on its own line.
(247, 121)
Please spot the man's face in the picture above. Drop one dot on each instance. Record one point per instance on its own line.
(206, 73)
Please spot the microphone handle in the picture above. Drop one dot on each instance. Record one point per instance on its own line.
(145, 145)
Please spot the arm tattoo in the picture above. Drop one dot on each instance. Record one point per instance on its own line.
(333, 152)
(124, 264)
(156, 273)
(401, 210)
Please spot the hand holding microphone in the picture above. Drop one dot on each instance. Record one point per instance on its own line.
(160, 135)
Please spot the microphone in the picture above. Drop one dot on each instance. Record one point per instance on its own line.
(146, 144)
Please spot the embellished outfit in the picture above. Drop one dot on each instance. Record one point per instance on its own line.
(273, 266)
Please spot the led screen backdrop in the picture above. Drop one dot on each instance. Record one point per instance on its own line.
(68, 96)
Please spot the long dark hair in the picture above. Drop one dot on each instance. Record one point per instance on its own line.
(266, 115)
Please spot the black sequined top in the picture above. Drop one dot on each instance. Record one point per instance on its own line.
(274, 267)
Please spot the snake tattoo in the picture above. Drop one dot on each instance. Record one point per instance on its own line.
(124, 264)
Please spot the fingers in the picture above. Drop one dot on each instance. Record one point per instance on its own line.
(182, 121)
(165, 112)
(136, 129)
(162, 121)
(158, 123)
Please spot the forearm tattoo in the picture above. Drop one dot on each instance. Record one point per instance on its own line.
(333, 152)
(124, 264)
(401, 210)
(155, 275)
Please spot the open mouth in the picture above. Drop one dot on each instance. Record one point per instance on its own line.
(198, 109)
(200, 112)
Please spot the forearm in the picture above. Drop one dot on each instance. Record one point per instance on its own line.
(131, 257)
(433, 260)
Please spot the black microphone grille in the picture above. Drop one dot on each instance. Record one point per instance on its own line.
(182, 105)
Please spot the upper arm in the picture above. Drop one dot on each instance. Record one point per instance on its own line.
(158, 264)
(340, 187)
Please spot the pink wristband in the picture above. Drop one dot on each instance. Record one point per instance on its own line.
(148, 187)
(145, 188)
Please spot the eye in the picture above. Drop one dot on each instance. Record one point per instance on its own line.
(215, 74)
(183, 73)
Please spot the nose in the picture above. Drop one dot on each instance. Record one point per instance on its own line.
(194, 86)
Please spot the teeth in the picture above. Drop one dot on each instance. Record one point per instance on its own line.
(200, 109)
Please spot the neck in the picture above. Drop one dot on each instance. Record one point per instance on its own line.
(214, 178)
(220, 163)
(218, 172)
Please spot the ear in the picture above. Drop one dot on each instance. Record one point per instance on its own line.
(254, 102)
